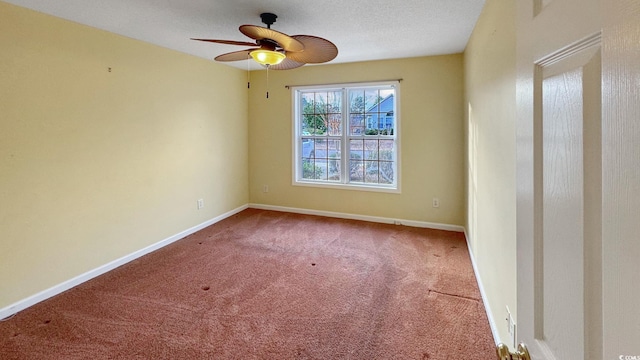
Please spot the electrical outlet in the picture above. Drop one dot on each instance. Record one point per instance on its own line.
(200, 203)
(435, 203)
(265, 188)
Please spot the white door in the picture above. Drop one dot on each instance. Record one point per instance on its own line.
(578, 174)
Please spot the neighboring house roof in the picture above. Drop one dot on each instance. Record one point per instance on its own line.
(386, 106)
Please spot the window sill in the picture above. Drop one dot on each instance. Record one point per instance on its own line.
(340, 186)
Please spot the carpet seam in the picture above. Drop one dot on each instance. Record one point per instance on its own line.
(454, 295)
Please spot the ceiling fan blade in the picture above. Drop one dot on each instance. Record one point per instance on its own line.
(316, 50)
(284, 41)
(286, 64)
(228, 42)
(234, 56)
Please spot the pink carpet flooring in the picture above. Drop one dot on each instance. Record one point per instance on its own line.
(271, 285)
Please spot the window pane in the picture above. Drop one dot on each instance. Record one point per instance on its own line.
(320, 123)
(386, 150)
(371, 171)
(356, 124)
(334, 113)
(386, 172)
(380, 109)
(335, 157)
(356, 165)
(321, 148)
(356, 101)
(334, 149)
(334, 100)
(356, 149)
(314, 113)
(321, 169)
(307, 103)
(371, 149)
(308, 148)
(356, 171)
(307, 124)
(388, 123)
(313, 169)
(335, 124)
(371, 124)
(321, 103)
(386, 118)
(334, 169)
(308, 166)
(372, 98)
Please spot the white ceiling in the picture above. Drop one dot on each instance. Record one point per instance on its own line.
(361, 29)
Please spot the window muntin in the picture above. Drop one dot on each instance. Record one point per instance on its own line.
(347, 136)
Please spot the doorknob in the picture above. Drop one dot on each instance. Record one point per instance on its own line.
(503, 352)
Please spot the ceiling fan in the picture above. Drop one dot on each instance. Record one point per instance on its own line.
(276, 50)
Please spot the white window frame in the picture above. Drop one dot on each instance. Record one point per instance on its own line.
(345, 137)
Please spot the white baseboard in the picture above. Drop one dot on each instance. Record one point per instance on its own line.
(57, 289)
(487, 308)
(377, 219)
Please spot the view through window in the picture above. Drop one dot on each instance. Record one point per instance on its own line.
(347, 135)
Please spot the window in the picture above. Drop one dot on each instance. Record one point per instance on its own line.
(347, 136)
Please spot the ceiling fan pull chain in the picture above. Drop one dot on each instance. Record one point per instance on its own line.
(267, 81)
(248, 72)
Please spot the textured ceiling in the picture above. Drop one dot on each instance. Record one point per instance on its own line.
(362, 30)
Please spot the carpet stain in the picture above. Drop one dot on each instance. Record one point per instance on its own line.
(302, 353)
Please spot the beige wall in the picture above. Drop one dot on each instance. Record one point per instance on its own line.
(432, 140)
(490, 83)
(95, 165)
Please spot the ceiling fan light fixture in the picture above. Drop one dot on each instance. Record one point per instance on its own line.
(276, 50)
(267, 57)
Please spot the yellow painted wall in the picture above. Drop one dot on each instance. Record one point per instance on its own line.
(490, 87)
(95, 165)
(432, 140)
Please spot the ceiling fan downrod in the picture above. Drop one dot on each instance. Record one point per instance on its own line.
(268, 19)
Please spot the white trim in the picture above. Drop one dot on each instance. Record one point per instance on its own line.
(377, 219)
(66, 285)
(483, 294)
(348, 186)
(572, 49)
(357, 84)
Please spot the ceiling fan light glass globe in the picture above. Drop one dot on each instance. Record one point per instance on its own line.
(267, 57)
